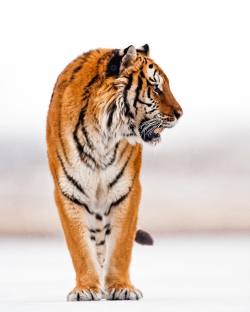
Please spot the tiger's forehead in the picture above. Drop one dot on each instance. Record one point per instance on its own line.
(154, 75)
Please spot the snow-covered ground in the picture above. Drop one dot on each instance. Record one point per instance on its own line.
(180, 273)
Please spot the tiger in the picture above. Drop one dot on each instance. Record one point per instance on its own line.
(105, 105)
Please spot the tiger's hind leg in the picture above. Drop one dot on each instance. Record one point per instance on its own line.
(73, 218)
(123, 227)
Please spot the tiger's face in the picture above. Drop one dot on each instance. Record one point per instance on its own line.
(157, 108)
(149, 104)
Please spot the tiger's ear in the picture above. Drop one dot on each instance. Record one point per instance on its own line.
(144, 49)
(128, 57)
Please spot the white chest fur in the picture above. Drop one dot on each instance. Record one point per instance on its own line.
(93, 186)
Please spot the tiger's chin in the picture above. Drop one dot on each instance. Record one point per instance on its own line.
(152, 138)
(138, 139)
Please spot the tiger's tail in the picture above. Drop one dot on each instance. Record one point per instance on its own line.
(143, 238)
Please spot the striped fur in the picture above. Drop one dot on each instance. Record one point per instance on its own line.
(105, 104)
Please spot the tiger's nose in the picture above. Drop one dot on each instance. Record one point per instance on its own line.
(178, 113)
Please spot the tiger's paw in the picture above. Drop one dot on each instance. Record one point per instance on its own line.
(85, 294)
(123, 293)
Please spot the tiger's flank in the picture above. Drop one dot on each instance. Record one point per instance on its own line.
(105, 105)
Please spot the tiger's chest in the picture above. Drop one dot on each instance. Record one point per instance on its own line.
(98, 189)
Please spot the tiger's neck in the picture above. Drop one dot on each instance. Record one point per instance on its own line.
(99, 147)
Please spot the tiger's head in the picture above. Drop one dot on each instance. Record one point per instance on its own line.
(144, 100)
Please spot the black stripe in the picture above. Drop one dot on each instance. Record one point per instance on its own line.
(84, 154)
(84, 130)
(131, 129)
(154, 74)
(81, 115)
(127, 111)
(137, 91)
(126, 295)
(76, 201)
(140, 101)
(86, 135)
(122, 198)
(81, 152)
(124, 150)
(83, 59)
(117, 202)
(90, 157)
(130, 80)
(92, 237)
(106, 225)
(100, 243)
(119, 175)
(78, 144)
(86, 90)
(104, 58)
(148, 93)
(92, 296)
(98, 217)
(96, 122)
(152, 110)
(80, 148)
(79, 67)
(75, 70)
(92, 81)
(70, 178)
(108, 231)
(61, 141)
(113, 157)
(111, 113)
(150, 84)
(92, 231)
(142, 74)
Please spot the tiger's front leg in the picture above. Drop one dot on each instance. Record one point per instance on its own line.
(87, 268)
(123, 219)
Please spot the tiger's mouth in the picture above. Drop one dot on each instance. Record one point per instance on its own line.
(150, 130)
